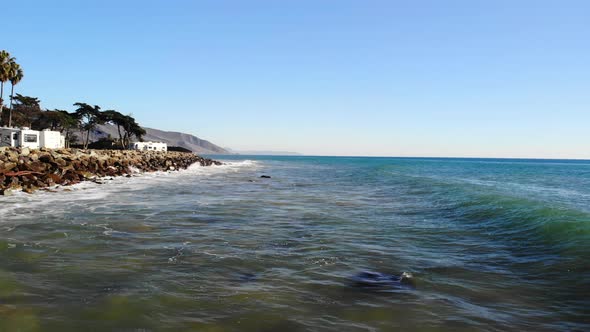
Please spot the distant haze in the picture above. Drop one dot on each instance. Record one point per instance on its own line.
(267, 153)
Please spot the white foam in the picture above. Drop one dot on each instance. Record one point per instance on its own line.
(227, 166)
(21, 206)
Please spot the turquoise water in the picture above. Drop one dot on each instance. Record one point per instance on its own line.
(493, 245)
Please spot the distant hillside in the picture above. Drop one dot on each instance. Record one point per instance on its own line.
(171, 138)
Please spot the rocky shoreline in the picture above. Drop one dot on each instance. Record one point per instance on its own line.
(30, 170)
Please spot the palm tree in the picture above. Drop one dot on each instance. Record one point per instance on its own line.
(5, 65)
(16, 76)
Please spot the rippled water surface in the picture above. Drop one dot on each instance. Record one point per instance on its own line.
(493, 245)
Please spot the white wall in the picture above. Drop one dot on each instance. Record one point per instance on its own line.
(51, 139)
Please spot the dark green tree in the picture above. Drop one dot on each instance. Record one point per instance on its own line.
(132, 129)
(89, 117)
(27, 101)
(26, 111)
(68, 122)
(115, 118)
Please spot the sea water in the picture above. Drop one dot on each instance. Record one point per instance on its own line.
(493, 245)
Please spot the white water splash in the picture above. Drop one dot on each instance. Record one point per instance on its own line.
(21, 206)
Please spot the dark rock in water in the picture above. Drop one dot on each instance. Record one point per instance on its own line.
(265, 176)
(382, 281)
(247, 277)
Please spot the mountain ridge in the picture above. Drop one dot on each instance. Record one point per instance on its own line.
(172, 138)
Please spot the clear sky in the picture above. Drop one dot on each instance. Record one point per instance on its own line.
(333, 77)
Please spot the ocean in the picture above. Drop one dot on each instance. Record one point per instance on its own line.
(492, 244)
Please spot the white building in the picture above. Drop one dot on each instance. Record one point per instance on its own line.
(33, 139)
(149, 146)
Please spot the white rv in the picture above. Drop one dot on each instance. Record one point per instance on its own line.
(33, 139)
(51, 139)
(16, 137)
(149, 146)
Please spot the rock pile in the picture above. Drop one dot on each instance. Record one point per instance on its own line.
(29, 170)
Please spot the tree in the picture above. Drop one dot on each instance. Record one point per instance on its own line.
(16, 75)
(26, 111)
(5, 66)
(27, 101)
(66, 123)
(54, 120)
(89, 117)
(131, 129)
(117, 119)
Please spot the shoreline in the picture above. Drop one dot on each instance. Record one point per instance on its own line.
(28, 170)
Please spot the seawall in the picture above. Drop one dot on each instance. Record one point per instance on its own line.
(29, 170)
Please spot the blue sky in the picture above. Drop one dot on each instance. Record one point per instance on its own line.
(335, 77)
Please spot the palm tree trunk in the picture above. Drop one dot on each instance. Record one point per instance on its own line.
(10, 112)
(1, 100)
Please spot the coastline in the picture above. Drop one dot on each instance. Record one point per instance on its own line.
(30, 170)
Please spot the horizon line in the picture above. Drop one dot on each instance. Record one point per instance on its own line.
(401, 157)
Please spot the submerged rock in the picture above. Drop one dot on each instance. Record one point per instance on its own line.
(247, 277)
(377, 280)
(265, 176)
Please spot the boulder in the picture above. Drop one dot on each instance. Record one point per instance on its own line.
(7, 167)
(30, 170)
